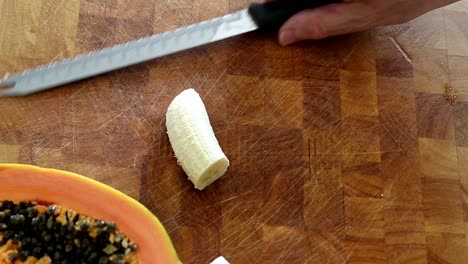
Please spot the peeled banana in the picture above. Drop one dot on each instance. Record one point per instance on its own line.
(193, 140)
(220, 260)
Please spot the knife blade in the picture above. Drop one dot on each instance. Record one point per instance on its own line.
(267, 16)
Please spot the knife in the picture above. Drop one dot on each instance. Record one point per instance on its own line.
(266, 17)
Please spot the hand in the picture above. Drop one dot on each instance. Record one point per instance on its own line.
(353, 16)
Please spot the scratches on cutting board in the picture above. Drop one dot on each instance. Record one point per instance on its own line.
(52, 14)
(401, 50)
(309, 156)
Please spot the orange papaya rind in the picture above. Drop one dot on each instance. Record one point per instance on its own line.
(20, 182)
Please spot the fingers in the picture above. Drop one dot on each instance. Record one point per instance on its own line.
(325, 21)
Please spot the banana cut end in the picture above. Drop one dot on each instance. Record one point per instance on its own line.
(212, 173)
(219, 260)
(193, 140)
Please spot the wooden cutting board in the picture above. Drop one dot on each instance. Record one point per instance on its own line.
(342, 151)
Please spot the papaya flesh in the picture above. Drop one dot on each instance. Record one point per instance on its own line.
(78, 195)
(32, 232)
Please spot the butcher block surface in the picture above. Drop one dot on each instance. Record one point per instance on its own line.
(343, 150)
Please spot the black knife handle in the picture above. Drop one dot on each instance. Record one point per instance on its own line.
(272, 15)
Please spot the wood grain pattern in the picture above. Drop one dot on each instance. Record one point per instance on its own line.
(342, 150)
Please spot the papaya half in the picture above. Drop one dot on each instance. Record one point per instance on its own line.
(41, 207)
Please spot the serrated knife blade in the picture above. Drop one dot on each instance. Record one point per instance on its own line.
(130, 53)
(268, 16)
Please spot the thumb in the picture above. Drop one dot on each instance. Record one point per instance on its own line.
(322, 22)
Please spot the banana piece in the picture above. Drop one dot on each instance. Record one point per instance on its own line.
(193, 140)
(219, 260)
